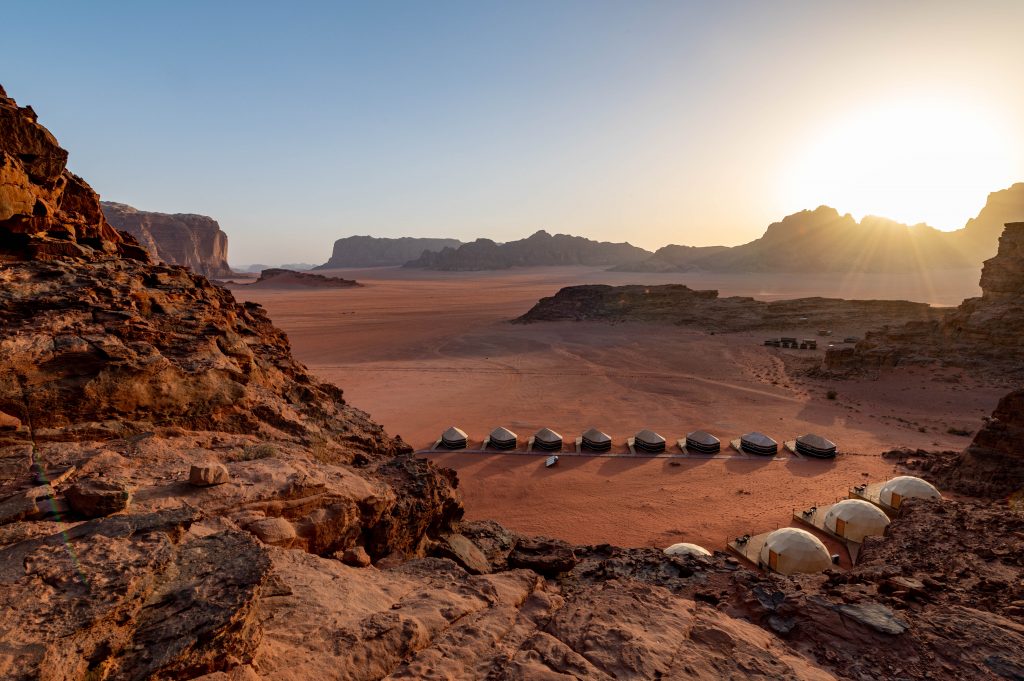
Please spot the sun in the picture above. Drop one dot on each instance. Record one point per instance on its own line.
(912, 160)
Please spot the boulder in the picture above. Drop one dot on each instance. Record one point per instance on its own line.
(208, 474)
(273, 531)
(356, 557)
(95, 498)
(545, 556)
(464, 552)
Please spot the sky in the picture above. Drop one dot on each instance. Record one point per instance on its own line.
(294, 124)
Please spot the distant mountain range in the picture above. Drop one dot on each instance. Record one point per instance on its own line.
(371, 251)
(540, 248)
(822, 240)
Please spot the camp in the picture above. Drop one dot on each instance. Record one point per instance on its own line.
(906, 487)
(815, 446)
(686, 549)
(854, 519)
(596, 441)
(548, 440)
(454, 438)
(703, 443)
(502, 438)
(759, 444)
(789, 551)
(649, 441)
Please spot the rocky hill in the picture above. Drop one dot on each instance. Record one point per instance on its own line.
(372, 251)
(283, 278)
(195, 241)
(540, 248)
(180, 499)
(823, 240)
(678, 304)
(985, 333)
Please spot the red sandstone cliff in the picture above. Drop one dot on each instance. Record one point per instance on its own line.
(195, 241)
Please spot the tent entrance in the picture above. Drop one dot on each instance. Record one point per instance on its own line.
(773, 560)
(840, 527)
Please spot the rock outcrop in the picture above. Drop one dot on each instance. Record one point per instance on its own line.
(985, 334)
(373, 251)
(282, 278)
(823, 240)
(326, 550)
(194, 241)
(540, 248)
(678, 304)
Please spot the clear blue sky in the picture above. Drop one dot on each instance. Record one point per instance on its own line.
(654, 122)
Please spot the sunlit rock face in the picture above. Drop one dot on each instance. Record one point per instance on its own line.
(195, 241)
(985, 333)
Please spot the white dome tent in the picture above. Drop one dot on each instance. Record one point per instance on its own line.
(854, 519)
(687, 549)
(903, 487)
(789, 551)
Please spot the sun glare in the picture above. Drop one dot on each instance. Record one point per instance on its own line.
(912, 161)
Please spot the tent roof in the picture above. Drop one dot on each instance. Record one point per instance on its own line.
(596, 436)
(686, 549)
(703, 438)
(759, 440)
(650, 437)
(908, 486)
(816, 441)
(798, 551)
(453, 433)
(502, 434)
(861, 518)
(547, 435)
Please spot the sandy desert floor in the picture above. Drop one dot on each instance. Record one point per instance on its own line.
(421, 351)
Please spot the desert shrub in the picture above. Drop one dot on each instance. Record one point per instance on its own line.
(832, 394)
(263, 450)
(962, 432)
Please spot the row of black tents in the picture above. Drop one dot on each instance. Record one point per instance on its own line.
(647, 441)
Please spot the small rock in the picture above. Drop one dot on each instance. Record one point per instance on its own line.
(356, 557)
(208, 474)
(876, 616)
(8, 422)
(544, 556)
(95, 498)
(273, 531)
(464, 552)
(25, 504)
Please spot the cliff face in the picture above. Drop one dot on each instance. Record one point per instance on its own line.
(194, 241)
(540, 248)
(985, 333)
(370, 251)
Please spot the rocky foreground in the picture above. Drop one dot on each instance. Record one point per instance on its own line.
(180, 499)
(681, 305)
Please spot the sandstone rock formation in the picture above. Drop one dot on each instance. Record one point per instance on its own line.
(281, 278)
(679, 304)
(826, 241)
(195, 241)
(372, 251)
(540, 248)
(985, 333)
(124, 374)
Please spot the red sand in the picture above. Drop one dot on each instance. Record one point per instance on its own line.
(421, 351)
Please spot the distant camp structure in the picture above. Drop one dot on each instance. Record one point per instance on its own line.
(758, 444)
(648, 441)
(790, 550)
(502, 438)
(854, 519)
(903, 487)
(547, 440)
(686, 549)
(703, 443)
(814, 446)
(453, 438)
(595, 441)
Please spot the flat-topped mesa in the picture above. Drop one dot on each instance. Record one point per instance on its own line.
(195, 241)
(983, 333)
(282, 278)
(47, 212)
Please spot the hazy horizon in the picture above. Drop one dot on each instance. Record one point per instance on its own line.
(652, 123)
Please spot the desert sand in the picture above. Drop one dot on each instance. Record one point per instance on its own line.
(424, 350)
